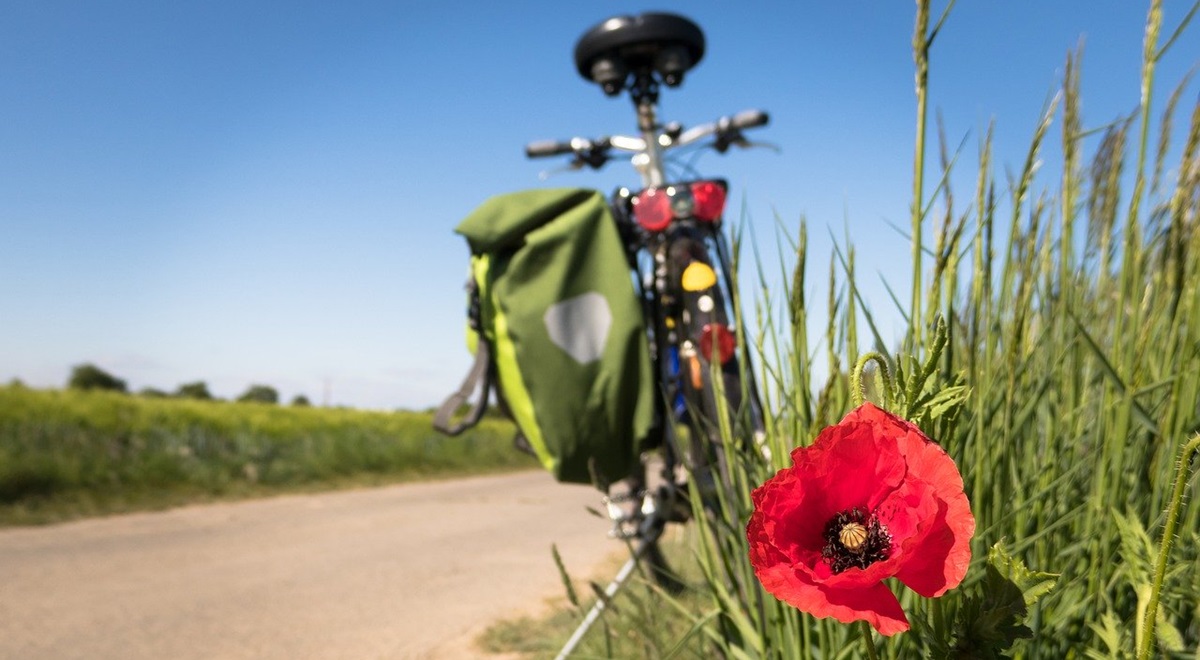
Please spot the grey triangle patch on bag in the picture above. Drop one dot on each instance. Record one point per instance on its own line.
(580, 326)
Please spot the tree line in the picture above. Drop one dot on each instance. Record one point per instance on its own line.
(90, 377)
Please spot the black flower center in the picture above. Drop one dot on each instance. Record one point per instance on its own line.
(855, 538)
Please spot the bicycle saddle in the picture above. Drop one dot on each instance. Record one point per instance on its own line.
(668, 44)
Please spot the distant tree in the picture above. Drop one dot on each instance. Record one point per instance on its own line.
(91, 377)
(301, 401)
(260, 394)
(196, 390)
(152, 393)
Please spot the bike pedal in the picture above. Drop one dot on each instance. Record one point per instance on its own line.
(624, 530)
(679, 512)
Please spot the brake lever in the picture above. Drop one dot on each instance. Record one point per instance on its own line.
(727, 138)
(738, 139)
(747, 144)
(594, 158)
(574, 165)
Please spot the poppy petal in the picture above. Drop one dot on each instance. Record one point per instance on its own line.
(941, 560)
(850, 465)
(874, 604)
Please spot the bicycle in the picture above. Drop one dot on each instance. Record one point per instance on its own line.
(681, 262)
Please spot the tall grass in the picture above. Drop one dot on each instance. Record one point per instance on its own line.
(68, 453)
(1079, 338)
(1073, 321)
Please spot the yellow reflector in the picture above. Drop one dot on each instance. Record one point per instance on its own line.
(698, 277)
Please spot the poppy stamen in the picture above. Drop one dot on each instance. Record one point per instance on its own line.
(855, 539)
(853, 536)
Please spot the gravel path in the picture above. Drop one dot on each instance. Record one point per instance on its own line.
(410, 571)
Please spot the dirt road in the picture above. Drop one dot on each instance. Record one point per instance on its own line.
(412, 571)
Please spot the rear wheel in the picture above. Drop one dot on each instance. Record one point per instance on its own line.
(720, 404)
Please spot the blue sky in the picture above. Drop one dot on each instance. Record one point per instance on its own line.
(265, 192)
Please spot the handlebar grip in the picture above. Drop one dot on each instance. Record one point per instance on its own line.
(749, 119)
(544, 148)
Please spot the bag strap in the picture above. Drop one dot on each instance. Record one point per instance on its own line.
(479, 377)
(480, 373)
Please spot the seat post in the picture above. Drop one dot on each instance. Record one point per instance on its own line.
(637, 53)
(644, 93)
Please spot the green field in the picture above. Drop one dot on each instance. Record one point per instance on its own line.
(66, 454)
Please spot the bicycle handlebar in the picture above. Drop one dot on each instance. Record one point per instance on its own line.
(547, 148)
(750, 119)
(726, 129)
(544, 148)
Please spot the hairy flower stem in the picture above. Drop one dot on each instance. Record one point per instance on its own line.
(867, 641)
(1164, 552)
(858, 393)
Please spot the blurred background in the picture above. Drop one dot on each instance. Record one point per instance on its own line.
(266, 192)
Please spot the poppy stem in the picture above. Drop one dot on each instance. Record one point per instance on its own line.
(867, 641)
(858, 393)
(1146, 643)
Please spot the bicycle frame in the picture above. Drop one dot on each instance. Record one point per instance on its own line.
(682, 265)
(635, 54)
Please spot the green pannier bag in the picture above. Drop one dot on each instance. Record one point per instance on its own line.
(557, 331)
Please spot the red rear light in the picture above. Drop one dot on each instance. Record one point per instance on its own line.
(710, 200)
(717, 342)
(653, 209)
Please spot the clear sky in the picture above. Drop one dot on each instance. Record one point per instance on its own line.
(264, 192)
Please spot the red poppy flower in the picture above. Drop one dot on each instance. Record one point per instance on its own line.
(872, 498)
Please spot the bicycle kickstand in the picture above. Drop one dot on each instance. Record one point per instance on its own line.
(601, 604)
